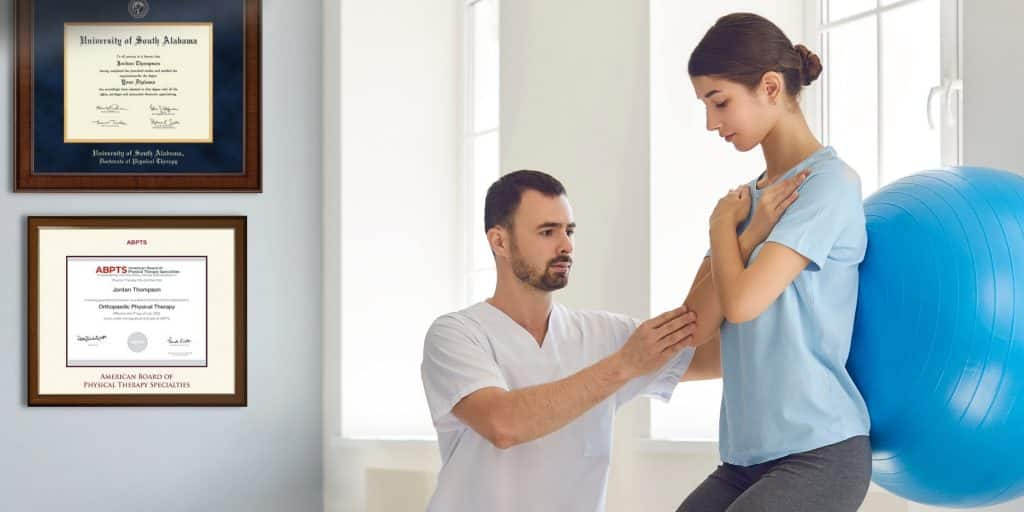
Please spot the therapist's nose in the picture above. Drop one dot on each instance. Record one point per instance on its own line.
(565, 247)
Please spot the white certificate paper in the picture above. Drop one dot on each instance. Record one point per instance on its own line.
(138, 82)
(146, 311)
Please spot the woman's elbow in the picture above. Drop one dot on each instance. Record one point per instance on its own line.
(739, 311)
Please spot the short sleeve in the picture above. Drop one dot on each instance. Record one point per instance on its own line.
(659, 384)
(455, 364)
(813, 224)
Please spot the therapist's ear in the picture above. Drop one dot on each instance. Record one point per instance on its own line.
(498, 238)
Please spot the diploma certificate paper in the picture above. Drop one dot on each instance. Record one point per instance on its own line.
(141, 311)
(137, 311)
(138, 82)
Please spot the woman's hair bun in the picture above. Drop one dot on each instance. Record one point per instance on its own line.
(810, 67)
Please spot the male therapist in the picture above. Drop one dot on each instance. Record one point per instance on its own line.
(523, 390)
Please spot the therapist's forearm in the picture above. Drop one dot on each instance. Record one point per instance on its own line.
(525, 414)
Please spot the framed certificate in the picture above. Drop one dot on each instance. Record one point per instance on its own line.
(137, 95)
(136, 311)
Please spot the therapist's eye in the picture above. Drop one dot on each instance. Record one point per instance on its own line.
(722, 104)
(546, 232)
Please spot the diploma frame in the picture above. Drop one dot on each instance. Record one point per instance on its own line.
(246, 176)
(228, 376)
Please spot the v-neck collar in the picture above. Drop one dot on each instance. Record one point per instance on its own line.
(543, 346)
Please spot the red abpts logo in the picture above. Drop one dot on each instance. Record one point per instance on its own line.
(117, 269)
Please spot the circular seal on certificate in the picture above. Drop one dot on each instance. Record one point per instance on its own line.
(138, 8)
(137, 342)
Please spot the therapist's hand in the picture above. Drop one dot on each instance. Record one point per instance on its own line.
(655, 342)
(774, 200)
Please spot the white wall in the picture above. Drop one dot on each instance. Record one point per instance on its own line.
(264, 457)
(574, 89)
(993, 74)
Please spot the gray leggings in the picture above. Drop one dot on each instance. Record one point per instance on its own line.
(832, 478)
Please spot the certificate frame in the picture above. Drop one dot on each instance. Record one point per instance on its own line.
(55, 380)
(227, 159)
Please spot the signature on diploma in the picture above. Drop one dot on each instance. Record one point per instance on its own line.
(112, 108)
(164, 123)
(163, 110)
(110, 123)
(91, 340)
(178, 341)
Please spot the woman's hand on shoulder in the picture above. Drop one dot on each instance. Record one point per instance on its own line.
(732, 208)
(775, 199)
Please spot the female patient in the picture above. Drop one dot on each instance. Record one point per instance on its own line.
(780, 300)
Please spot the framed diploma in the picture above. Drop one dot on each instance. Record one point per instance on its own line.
(136, 311)
(137, 95)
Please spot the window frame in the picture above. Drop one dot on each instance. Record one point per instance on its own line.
(470, 139)
(949, 92)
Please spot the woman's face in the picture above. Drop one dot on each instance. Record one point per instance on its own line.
(740, 115)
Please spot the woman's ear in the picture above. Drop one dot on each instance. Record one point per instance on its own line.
(772, 86)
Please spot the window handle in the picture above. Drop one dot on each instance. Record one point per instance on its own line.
(948, 85)
(953, 85)
(931, 101)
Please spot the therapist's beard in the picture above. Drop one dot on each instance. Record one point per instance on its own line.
(546, 280)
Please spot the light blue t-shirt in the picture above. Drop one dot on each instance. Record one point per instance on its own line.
(786, 389)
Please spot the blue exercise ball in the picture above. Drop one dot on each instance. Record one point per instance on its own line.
(938, 340)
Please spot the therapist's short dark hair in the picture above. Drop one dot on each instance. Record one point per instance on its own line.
(504, 195)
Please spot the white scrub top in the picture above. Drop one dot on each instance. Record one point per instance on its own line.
(565, 471)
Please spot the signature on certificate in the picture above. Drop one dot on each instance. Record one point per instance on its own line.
(92, 340)
(163, 110)
(112, 108)
(109, 123)
(164, 124)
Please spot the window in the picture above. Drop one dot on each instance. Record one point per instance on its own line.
(401, 242)
(890, 97)
(412, 241)
(482, 158)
